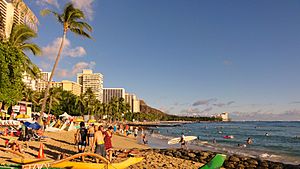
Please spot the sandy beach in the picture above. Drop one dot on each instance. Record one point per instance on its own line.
(63, 142)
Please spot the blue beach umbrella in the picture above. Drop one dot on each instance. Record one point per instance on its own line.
(34, 125)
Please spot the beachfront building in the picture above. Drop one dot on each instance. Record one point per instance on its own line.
(110, 93)
(29, 81)
(42, 85)
(133, 102)
(224, 116)
(33, 83)
(15, 12)
(66, 85)
(73, 87)
(88, 79)
(44, 76)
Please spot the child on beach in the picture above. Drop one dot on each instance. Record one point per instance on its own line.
(107, 142)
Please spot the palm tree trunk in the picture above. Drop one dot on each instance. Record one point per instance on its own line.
(52, 73)
(50, 105)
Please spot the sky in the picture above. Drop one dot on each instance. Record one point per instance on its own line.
(196, 58)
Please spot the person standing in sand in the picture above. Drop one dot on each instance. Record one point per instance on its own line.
(91, 133)
(99, 143)
(81, 136)
(107, 142)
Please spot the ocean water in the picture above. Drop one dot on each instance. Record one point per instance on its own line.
(282, 143)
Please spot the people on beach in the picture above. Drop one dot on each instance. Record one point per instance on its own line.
(98, 146)
(144, 139)
(108, 143)
(182, 142)
(249, 140)
(14, 145)
(24, 132)
(121, 128)
(136, 132)
(91, 133)
(214, 141)
(82, 139)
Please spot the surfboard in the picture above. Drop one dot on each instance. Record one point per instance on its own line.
(177, 140)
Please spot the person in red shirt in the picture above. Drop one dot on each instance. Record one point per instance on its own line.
(107, 142)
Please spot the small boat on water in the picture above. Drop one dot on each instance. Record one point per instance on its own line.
(228, 137)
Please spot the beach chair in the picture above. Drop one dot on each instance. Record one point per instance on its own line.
(215, 163)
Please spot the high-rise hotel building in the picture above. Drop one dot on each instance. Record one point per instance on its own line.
(133, 102)
(110, 93)
(88, 79)
(15, 12)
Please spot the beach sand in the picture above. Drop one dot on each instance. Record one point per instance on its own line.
(63, 142)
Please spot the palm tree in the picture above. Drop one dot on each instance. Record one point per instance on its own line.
(71, 19)
(20, 37)
(54, 97)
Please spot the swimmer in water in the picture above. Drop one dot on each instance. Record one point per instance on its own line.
(267, 134)
(249, 140)
(242, 145)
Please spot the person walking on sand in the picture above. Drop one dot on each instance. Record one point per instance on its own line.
(99, 143)
(182, 142)
(107, 142)
(91, 134)
(82, 138)
(24, 134)
(136, 132)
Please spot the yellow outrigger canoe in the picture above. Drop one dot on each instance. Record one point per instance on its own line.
(81, 165)
(66, 163)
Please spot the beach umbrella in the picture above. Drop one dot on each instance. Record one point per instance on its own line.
(78, 120)
(22, 116)
(34, 125)
(5, 115)
(92, 121)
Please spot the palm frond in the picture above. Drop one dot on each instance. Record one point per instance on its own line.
(34, 48)
(80, 32)
(45, 12)
(81, 25)
(20, 34)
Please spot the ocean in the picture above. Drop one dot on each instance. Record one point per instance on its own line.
(281, 143)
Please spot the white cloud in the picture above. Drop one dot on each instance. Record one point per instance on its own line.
(50, 51)
(48, 2)
(85, 6)
(204, 102)
(64, 73)
(288, 115)
(82, 65)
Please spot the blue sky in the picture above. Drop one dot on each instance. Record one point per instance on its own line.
(187, 57)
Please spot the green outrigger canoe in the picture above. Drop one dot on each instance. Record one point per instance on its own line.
(215, 163)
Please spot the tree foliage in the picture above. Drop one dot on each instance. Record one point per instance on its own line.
(11, 70)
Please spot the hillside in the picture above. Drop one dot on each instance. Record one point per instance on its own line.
(151, 114)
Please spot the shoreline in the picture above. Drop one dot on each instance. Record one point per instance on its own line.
(62, 142)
